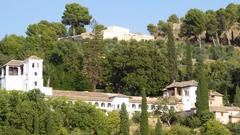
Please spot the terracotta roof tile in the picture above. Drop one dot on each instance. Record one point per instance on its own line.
(182, 84)
(14, 63)
(223, 108)
(214, 93)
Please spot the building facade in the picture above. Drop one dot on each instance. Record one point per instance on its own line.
(23, 75)
(108, 101)
(124, 34)
(184, 93)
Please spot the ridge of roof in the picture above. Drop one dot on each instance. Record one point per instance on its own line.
(181, 84)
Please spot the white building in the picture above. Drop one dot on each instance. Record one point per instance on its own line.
(184, 92)
(124, 34)
(108, 101)
(23, 75)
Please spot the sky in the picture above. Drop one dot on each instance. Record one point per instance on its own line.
(16, 15)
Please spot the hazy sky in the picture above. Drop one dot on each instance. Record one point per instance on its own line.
(16, 15)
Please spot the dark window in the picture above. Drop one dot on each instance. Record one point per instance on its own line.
(133, 106)
(35, 83)
(21, 68)
(35, 73)
(103, 105)
(109, 104)
(96, 103)
(33, 65)
(139, 106)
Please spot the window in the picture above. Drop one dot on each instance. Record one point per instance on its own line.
(37, 65)
(103, 105)
(33, 65)
(133, 106)
(221, 113)
(186, 93)
(35, 73)
(109, 105)
(96, 103)
(153, 107)
(35, 83)
(139, 106)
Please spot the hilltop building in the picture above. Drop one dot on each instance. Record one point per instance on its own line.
(112, 32)
(124, 34)
(23, 75)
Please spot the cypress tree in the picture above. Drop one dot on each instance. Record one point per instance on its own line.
(189, 66)
(124, 122)
(202, 90)
(171, 54)
(158, 128)
(144, 115)
(237, 96)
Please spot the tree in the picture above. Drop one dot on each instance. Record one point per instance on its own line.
(113, 122)
(202, 90)
(173, 19)
(93, 57)
(124, 122)
(189, 66)
(194, 24)
(152, 29)
(171, 55)
(158, 128)
(237, 96)
(125, 68)
(225, 22)
(144, 115)
(212, 27)
(179, 130)
(11, 45)
(213, 127)
(77, 17)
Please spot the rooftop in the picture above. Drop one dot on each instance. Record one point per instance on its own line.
(181, 84)
(223, 108)
(98, 96)
(17, 63)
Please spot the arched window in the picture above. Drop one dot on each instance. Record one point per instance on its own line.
(96, 103)
(139, 106)
(109, 105)
(152, 107)
(33, 65)
(133, 106)
(102, 104)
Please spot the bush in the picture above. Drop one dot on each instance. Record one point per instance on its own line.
(179, 130)
(205, 116)
(136, 117)
(234, 128)
(213, 127)
(192, 122)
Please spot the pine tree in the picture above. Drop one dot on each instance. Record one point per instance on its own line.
(124, 122)
(144, 115)
(202, 90)
(158, 128)
(237, 96)
(189, 66)
(171, 54)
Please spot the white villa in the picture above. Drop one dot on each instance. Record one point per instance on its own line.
(23, 75)
(27, 75)
(123, 34)
(108, 101)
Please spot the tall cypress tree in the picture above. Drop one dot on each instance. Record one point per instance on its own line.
(171, 54)
(189, 66)
(202, 90)
(124, 122)
(144, 115)
(237, 96)
(158, 128)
